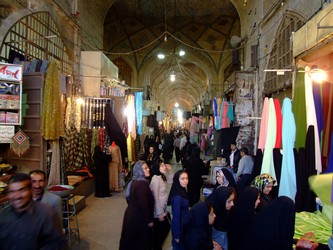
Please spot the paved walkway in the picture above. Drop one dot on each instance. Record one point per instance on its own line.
(100, 222)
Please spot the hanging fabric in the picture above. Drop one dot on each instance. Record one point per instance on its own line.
(264, 124)
(55, 176)
(311, 118)
(231, 112)
(299, 109)
(278, 114)
(20, 143)
(327, 97)
(52, 117)
(130, 114)
(225, 118)
(287, 185)
(138, 110)
(129, 147)
(268, 161)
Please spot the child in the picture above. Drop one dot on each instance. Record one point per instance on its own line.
(121, 178)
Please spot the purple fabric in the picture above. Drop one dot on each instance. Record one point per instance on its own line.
(330, 161)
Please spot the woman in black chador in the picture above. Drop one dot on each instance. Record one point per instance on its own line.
(101, 173)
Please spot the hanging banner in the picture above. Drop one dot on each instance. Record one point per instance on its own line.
(6, 134)
(10, 72)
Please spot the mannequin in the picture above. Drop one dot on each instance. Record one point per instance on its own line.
(115, 166)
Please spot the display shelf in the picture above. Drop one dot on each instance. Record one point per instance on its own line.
(10, 94)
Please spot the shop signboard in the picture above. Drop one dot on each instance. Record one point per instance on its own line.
(10, 72)
(6, 134)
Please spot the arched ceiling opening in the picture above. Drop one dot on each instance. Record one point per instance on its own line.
(140, 29)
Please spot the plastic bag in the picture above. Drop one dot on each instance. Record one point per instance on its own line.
(307, 242)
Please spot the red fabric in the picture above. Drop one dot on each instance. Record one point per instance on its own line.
(264, 124)
(278, 115)
(327, 97)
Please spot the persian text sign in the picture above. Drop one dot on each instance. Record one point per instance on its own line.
(6, 134)
(10, 72)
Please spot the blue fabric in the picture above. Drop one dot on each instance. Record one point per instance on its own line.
(138, 111)
(220, 238)
(318, 107)
(330, 242)
(231, 113)
(215, 107)
(288, 170)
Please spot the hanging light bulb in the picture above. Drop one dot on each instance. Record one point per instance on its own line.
(160, 56)
(318, 75)
(172, 76)
(181, 53)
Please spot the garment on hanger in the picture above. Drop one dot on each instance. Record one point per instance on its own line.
(311, 118)
(264, 124)
(287, 184)
(267, 162)
(278, 114)
(299, 109)
(115, 166)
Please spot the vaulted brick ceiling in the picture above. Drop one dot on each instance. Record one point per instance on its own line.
(140, 29)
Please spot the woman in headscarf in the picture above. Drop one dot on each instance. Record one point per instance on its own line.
(222, 200)
(101, 161)
(195, 168)
(178, 199)
(241, 216)
(159, 188)
(198, 229)
(224, 178)
(272, 228)
(264, 183)
(138, 218)
(150, 157)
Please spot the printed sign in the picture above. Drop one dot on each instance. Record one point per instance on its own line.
(6, 134)
(10, 72)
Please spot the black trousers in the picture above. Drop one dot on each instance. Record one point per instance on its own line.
(177, 153)
(160, 232)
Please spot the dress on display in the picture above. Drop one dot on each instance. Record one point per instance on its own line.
(102, 173)
(115, 166)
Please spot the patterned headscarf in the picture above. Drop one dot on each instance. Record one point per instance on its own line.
(261, 181)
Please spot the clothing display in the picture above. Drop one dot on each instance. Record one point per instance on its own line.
(101, 160)
(268, 162)
(52, 122)
(115, 166)
(311, 118)
(287, 184)
(264, 124)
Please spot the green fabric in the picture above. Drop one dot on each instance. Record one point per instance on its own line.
(321, 185)
(299, 110)
(313, 222)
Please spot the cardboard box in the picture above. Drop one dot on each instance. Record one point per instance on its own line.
(12, 117)
(2, 116)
